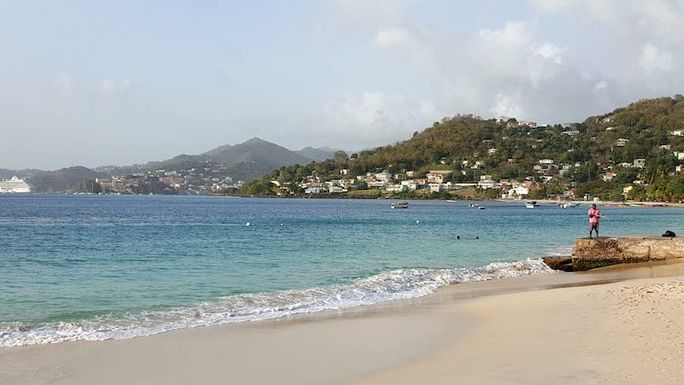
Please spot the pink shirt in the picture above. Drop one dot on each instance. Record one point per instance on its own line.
(594, 215)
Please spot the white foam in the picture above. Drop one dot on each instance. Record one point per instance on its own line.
(393, 285)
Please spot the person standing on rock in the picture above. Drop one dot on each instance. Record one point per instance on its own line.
(594, 218)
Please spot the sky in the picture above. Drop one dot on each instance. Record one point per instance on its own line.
(120, 82)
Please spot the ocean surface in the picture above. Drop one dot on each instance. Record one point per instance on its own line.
(110, 267)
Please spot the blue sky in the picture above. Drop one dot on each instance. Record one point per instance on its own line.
(120, 82)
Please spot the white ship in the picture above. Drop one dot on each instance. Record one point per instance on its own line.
(14, 185)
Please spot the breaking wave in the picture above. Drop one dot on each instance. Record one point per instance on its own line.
(388, 286)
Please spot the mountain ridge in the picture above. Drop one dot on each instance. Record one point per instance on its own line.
(243, 161)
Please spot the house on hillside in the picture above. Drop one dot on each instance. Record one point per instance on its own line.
(607, 177)
(486, 182)
(639, 163)
(383, 176)
(438, 176)
(677, 133)
(478, 165)
(440, 187)
(409, 185)
(622, 142)
(518, 192)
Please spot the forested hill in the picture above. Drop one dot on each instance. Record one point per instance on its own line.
(595, 157)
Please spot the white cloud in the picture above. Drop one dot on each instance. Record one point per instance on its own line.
(552, 5)
(375, 12)
(506, 106)
(376, 117)
(110, 86)
(600, 86)
(551, 52)
(392, 37)
(513, 35)
(64, 84)
(654, 59)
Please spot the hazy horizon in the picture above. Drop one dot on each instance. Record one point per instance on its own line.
(118, 83)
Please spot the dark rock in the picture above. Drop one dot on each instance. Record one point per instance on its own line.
(558, 262)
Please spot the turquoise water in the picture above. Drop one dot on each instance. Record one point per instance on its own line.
(100, 267)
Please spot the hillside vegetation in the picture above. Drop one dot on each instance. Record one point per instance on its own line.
(595, 158)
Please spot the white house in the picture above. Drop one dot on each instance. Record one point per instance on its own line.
(518, 192)
(383, 176)
(607, 177)
(440, 187)
(394, 188)
(410, 185)
(314, 190)
(621, 142)
(438, 176)
(486, 182)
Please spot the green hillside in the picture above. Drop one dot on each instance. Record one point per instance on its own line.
(583, 155)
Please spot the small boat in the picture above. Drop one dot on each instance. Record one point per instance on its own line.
(483, 208)
(400, 205)
(568, 205)
(531, 204)
(474, 205)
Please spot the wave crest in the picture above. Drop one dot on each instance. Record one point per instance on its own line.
(388, 286)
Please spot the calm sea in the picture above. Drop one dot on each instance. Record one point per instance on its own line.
(103, 267)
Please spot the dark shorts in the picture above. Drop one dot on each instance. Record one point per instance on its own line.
(594, 226)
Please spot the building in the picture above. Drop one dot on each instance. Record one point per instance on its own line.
(409, 185)
(639, 163)
(621, 142)
(440, 187)
(486, 182)
(383, 176)
(518, 192)
(607, 177)
(438, 176)
(14, 185)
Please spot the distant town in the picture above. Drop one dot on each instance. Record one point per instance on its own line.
(633, 153)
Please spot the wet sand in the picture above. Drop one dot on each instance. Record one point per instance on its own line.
(615, 325)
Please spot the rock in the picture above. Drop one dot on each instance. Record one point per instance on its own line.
(563, 263)
(590, 253)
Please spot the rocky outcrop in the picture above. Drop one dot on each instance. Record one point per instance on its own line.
(561, 263)
(590, 253)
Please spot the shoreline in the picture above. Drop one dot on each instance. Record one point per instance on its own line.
(368, 344)
(645, 204)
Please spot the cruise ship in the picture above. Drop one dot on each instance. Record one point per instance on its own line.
(14, 185)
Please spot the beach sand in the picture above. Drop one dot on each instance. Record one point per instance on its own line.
(613, 326)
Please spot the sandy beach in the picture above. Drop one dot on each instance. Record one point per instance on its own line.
(614, 326)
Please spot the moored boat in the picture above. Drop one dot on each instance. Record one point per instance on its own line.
(531, 204)
(400, 205)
